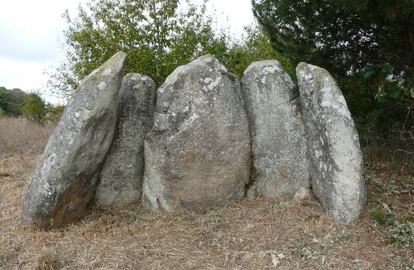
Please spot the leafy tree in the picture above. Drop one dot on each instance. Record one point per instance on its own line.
(157, 35)
(368, 45)
(54, 112)
(2, 113)
(34, 108)
(255, 46)
(11, 101)
(346, 36)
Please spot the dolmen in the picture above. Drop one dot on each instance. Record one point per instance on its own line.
(199, 141)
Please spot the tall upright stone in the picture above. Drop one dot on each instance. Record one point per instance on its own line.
(333, 145)
(280, 164)
(65, 178)
(122, 173)
(198, 154)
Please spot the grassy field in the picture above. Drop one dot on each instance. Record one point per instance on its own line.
(246, 234)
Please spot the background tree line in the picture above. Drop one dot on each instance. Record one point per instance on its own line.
(16, 103)
(157, 35)
(367, 45)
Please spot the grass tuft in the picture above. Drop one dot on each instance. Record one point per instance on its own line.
(382, 216)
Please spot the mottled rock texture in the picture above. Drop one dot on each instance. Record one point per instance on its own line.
(65, 178)
(198, 154)
(333, 145)
(280, 164)
(123, 170)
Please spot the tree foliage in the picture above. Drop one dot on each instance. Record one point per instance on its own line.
(157, 35)
(346, 36)
(11, 101)
(254, 46)
(368, 45)
(34, 108)
(54, 112)
(16, 103)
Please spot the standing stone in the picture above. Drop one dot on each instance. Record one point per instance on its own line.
(277, 132)
(123, 170)
(65, 178)
(333, 145)
(198, 154)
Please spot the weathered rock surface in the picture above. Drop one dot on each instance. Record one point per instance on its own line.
(333, 145)
(277, 132)
(302, 194)
(198, 154)
(123, 170)
(65, 178)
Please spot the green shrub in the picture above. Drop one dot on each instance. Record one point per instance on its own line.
(34, 108)
(54, 113)
(382, 216)
(11, 101)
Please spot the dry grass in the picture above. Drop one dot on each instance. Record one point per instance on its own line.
(19, 135)
(244, 235)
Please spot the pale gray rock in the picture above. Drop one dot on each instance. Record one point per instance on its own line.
(198, 154)
(280, 164)
(333, 145)
(302, 194)
(65, 178)
(123, 170)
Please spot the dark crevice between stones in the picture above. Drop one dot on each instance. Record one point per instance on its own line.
(250, 187)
